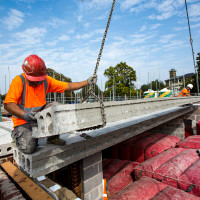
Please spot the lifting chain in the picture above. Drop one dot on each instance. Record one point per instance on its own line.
(90, 91)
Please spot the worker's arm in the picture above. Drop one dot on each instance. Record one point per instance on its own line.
(14, 109)
(187, 94)
(76, 85)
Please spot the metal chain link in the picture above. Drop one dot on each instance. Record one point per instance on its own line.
(104, 38)
(90, 91)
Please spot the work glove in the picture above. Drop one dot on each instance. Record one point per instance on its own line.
(29, 117)
(92, 80)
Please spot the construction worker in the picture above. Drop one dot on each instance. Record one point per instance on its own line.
(27, 95)
(185, 91)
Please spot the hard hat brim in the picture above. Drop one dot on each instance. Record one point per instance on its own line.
(36, 78)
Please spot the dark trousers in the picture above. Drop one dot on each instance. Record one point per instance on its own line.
(22, 136)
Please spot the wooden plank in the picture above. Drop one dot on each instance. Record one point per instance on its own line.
(33, 190)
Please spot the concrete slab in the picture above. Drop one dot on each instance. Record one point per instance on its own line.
(6, 146)
(51, 157)
(65, 118)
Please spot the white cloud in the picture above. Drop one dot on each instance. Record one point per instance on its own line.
(194, 10)
(166, 38)
(27, 1)
(97, 4)
(14, 19)
(79, 19)
(55, 22)
(143, 28)
(101, 17)
(174, 44)
(64, 38)
(163, 16)
(195, 25)
(84, 36)
(30, 36)
(165, 6)
(89, 35)
(52, 43)
(155, 26)
(86, 25)
(126, 4)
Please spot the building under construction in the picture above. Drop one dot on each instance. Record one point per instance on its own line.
(148, 149)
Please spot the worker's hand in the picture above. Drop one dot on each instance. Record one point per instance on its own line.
(92, 80)
(30, 118)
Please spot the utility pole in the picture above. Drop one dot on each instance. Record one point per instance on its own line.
(5, 84)
(8, 76)
(174, 83)
(130, 86)
(183, 79)
(113, 87)
(159, 76)
(54, 92)
(178, 83)
(0, 106)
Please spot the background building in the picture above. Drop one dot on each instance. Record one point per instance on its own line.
(176, 83)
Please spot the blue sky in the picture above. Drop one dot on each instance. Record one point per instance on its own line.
(151, 36)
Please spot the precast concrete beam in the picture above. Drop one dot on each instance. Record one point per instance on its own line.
(6, 145)
(6, 149)
(51, 157)
(65, 118)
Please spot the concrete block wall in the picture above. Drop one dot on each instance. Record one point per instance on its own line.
(177, 126)
(91, 177)
(174, 127)
(194, 115)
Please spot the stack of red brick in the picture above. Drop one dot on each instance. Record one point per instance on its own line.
(160, 170)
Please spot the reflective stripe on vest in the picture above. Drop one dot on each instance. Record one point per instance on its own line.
(105, 197)
(181, 94)
(22, 105)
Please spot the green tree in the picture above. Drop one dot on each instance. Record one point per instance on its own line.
(122, 78)
(60, 77)
(96, 90)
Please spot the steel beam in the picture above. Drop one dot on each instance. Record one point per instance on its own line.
(52, 157)
(68, 118)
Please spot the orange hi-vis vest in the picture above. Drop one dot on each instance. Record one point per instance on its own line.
(105, 197)
(183, 93)
(30, 98)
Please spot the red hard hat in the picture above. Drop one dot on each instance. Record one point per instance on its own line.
(34, 68)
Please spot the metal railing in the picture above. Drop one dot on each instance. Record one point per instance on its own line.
(77, 99)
